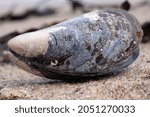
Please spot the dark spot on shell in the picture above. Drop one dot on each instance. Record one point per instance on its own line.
(100, 40)
(95, 44)
(68, 38)
(92, 27)
(93, 63)
(96, 50)
(88, 46)
(132, 45)
(68, 62)
(138, 34)
(62, 60)
(98, 58)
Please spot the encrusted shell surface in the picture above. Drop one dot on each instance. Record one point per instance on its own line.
(93, 44)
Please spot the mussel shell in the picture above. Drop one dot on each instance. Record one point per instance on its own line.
(93, 44)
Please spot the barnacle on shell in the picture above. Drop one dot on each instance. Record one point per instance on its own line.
(90, 45)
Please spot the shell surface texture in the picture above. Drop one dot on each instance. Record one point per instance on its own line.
(93, 44)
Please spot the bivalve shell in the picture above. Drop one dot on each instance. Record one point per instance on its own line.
(93, 44)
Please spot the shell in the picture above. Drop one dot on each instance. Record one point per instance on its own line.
(93, 44)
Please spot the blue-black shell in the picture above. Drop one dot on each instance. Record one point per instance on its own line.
(93, 44)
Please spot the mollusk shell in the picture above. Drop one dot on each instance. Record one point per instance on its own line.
(93, 44)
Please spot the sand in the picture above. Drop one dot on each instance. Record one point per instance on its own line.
(131, 83)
